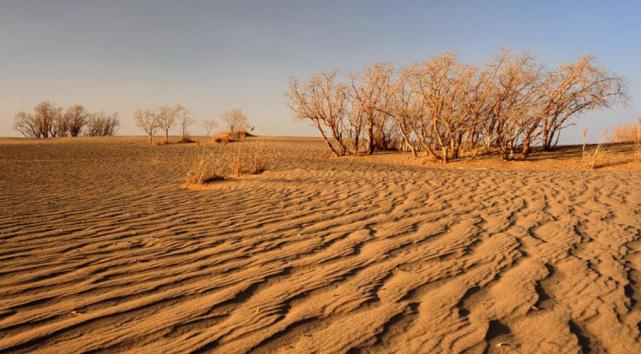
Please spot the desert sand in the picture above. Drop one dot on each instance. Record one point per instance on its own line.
(104, 249)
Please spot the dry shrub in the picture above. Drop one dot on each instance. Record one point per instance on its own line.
(235, 162)
(207, 167)
(228, 161)
(256, 160)
(595, 158)
(628, 133)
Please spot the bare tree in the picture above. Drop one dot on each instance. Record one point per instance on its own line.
(102, 124)
(185, 120)
(322, 100)
(147, 121)
(405, 108)
(444, 86)
(27, 125)
(235, 120)
(76, 118)
(166, 118)
(209, 125)
(42, 124)
(367, 91)
(513, 86)
(573, 89)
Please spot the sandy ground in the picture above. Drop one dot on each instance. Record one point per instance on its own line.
(103, 250)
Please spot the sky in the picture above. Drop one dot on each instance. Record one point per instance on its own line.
(121, 55)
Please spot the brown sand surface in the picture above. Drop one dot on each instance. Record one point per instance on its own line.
(104, 250)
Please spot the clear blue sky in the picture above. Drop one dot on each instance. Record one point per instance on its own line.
(119, 55)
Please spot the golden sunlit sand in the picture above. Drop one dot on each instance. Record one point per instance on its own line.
(104, 249)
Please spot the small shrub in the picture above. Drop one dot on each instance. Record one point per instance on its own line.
(235, 163)
(207, 168)
(256, 161)
(596, 157)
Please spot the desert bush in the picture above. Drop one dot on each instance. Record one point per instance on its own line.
(596, 157)
(207, 167)
(214, 163)
(627, 133)
(235, 162)
(256, 159)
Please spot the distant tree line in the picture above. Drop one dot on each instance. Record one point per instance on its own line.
(165, 118)
(447, 108)
(49, 121)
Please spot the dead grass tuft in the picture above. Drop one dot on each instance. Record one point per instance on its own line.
(597, 157)
(207, 167)
(214, 164)
(256, 161)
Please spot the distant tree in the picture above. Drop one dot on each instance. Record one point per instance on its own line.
(166, 118)
(147, 121)
(102, 124)
(76, 118)
(184, 119)
(61, 126)
(209, 125)
(235, 120)
(43, 123)
(27, 125)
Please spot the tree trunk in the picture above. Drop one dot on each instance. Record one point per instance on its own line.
(525, 153)
(370, 143)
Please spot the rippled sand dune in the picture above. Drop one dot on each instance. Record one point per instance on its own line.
(103, 250)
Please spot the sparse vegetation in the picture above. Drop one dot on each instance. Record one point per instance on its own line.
(102, 124)
(146, 120)
(629, 133)
(596, 157)
(207, 167)
(49, 121)
(256, 161)
(216, 162)
(185, 120)
(209, 125)
(235, 120)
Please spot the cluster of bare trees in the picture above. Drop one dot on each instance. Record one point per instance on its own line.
(164, 118)
(447, 109)
(49, 120)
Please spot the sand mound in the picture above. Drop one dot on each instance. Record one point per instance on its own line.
(102, 250)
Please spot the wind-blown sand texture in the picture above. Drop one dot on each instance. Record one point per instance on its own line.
(103, 250)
